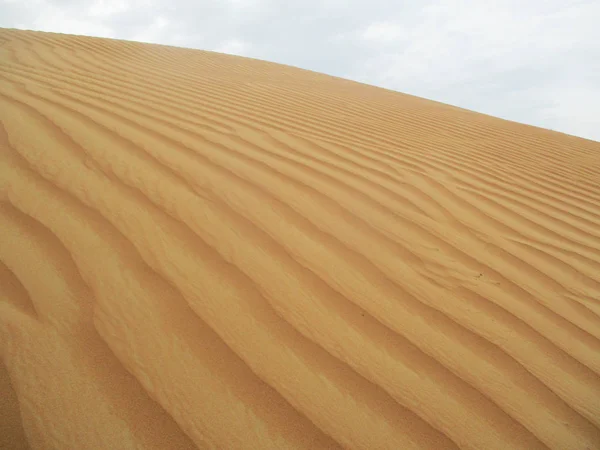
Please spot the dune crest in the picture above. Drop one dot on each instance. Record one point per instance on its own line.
(206, 251)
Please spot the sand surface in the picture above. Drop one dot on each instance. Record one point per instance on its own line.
(202, 250)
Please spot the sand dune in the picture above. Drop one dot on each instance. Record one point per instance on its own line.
(202, 250)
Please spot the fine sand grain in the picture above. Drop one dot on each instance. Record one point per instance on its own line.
(203, 250)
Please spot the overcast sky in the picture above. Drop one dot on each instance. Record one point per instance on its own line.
(532, 61)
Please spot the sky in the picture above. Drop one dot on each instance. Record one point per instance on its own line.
(531, 61)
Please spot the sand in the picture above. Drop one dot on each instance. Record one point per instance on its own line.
(203, 250)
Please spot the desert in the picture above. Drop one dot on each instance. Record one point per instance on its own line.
(201, 250)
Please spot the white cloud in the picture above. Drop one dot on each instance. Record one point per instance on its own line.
(384, 32)
(104, 8)
(233, 47)
(154, 33)
(575, 107)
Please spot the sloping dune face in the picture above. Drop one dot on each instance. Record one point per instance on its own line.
(201, 250)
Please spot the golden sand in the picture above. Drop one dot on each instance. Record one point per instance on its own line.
(203, 250)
